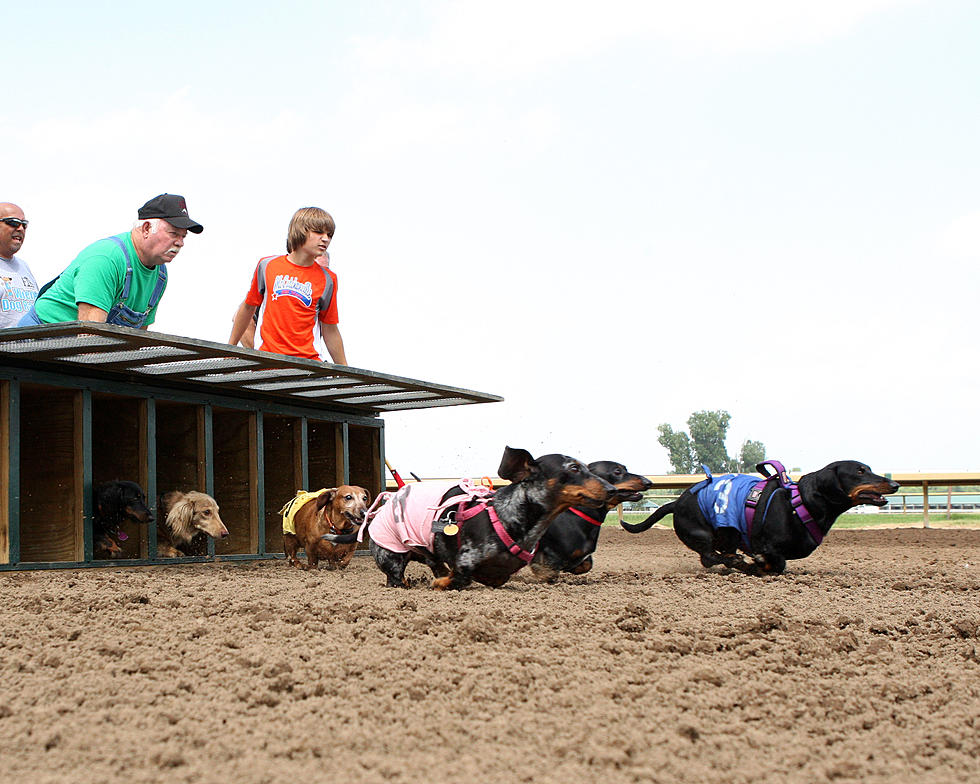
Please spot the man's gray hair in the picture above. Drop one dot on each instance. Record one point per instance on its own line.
(154, 224)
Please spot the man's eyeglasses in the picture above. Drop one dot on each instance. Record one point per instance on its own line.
(14, 223)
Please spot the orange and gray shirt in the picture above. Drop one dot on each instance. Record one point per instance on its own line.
(292, 302)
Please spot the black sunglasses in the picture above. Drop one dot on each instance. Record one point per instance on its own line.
(14, 222)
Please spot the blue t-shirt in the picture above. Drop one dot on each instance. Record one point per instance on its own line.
(722, 501)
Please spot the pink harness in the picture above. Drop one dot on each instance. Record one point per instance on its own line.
(498, 527)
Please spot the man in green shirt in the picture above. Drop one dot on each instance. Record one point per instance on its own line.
(119, 280)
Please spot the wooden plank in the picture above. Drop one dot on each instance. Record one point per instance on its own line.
(253, 481)
(49, 509)
(232, 471)
(82, 461)
(322, 465)
(259, 484)
(364, 456)
(118, 452)
(281, 477)
(5, 500)
(143, 467)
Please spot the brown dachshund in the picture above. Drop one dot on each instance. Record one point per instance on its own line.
(339, 510)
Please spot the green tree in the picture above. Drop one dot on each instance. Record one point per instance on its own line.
(679, 449)
(708, 430)
(753, 453)
(706, 445)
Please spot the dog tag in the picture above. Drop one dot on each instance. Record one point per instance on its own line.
(121, 536)
(451, 530)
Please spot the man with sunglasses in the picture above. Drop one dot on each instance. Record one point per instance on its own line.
(18, 288)
(119, 280)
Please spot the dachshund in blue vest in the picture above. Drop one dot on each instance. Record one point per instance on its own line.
(770, 520)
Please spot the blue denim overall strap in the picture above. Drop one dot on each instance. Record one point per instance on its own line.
(124, 316)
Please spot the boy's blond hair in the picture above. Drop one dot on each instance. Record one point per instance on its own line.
(305, 220)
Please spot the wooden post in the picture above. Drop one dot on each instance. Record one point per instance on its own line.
(925, 504)
(949, 502)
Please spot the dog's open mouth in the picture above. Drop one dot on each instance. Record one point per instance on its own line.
(627, 495)
(870, 497)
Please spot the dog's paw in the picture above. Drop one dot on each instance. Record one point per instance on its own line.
(441, 583)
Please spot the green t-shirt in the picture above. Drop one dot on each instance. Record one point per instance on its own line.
(96, 277)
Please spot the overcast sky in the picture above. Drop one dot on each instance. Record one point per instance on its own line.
(612, 214)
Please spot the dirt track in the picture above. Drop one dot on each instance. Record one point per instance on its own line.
(862, 663)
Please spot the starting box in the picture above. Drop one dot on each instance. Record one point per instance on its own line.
(83, 403)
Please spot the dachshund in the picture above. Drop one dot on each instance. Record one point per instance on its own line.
(769, 520)
(114, 503)
(466, 539)
(186, 520)
(570, 541)
(308, 517)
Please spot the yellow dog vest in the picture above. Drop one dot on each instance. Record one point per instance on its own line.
(292, 506)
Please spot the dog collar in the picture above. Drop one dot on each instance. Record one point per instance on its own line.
(584, 516)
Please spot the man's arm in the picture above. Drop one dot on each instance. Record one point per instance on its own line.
(88, 312)
(243, 316)
(334, 342)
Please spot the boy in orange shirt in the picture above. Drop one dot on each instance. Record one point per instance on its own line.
(294, 295)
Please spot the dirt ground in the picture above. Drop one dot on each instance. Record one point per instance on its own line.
(861, 663)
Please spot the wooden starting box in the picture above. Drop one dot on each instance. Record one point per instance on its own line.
(83, 403)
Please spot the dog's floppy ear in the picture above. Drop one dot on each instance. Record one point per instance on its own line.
(180, 518)
(325, 498)
(516, 465)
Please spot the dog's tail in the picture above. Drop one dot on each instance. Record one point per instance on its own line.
(659, 514)
(341, 538)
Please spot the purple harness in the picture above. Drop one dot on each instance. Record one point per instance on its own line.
(796, 500)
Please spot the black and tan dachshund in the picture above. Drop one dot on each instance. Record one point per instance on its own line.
(114, 503)
(779, 530)
(570, 541)
(499, 537)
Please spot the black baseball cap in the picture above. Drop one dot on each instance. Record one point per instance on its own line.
(173, 209)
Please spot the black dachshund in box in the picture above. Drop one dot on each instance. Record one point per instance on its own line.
(113, 504)
(770, 520)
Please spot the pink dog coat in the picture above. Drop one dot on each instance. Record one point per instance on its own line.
(405, 521)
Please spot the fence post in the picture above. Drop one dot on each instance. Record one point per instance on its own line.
(925, 504)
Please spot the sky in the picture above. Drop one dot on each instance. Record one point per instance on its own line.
(611, 214)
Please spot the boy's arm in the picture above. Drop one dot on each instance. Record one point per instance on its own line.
(334, 342)
(243, 316)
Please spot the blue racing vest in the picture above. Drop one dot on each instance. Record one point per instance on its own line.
(722, 501)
